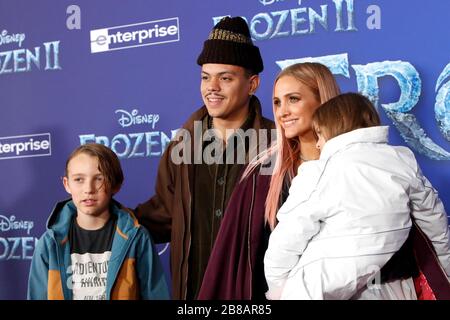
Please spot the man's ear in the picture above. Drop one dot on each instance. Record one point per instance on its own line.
(66, 185)
(254, 84)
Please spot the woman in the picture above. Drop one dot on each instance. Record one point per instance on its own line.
(235, 268)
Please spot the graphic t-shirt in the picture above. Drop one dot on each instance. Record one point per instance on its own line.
(90, 251)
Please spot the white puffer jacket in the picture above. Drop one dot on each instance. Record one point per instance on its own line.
(347, 214)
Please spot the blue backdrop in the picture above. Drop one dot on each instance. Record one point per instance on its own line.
(124, 73)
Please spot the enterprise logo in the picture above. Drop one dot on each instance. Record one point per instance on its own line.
(31, 145)
(135, 35)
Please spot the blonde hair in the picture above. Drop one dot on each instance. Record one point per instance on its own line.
(319, 79)
(344, 113)
(108, 164)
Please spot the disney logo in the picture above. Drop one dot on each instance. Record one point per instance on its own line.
(6, 38)
(269, 2)
(128, 119)
(7, 224)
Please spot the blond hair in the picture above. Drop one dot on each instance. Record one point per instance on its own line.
(319, 79)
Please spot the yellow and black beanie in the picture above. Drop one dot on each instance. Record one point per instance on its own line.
(230, 43)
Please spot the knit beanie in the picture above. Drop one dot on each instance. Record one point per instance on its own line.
(230, 43)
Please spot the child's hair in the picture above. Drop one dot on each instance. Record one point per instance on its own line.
(344, 113)
(108, 164)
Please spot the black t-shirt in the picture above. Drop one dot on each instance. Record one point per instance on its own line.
(90, 251)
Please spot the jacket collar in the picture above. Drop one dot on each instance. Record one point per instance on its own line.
(59, 220)
(377, 134)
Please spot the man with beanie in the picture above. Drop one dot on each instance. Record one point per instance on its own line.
(190, 198)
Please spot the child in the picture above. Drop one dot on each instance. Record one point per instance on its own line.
(350, 211)
(94, 249)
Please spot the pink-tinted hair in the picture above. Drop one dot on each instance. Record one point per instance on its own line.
(322, 83)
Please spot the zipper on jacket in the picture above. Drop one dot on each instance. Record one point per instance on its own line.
(190, 174)
(249, 235)
(62, 268)
(121, 259)
(184, 294)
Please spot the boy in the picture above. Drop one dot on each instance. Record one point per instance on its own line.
(94, 249)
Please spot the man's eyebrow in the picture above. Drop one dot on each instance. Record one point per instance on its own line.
(222, 73)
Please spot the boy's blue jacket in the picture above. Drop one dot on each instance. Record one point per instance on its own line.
(135, 271)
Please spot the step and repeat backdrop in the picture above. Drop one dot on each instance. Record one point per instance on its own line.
(124, 73)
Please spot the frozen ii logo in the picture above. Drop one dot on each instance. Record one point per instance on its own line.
(134, 144)
(303, 20)
(26, 60)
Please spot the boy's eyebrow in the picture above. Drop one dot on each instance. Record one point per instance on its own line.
(83, 174)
